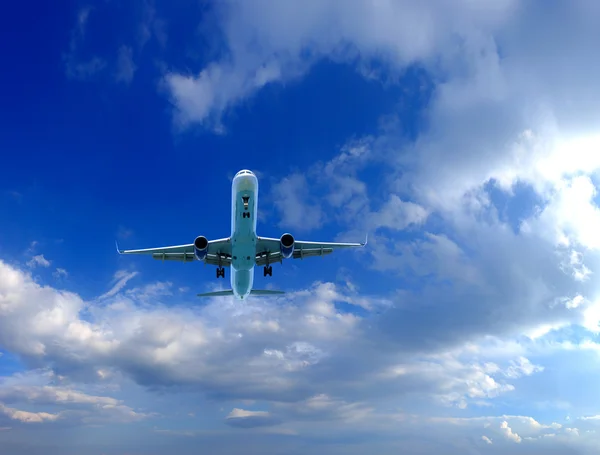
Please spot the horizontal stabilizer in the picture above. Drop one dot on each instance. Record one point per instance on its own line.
(265, 292)
(230, 292)
(216, 293)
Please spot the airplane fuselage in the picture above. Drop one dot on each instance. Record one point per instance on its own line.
(244, 205)
(242, 250)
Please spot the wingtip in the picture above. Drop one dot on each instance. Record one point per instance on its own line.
(366, 239)
(117, 245)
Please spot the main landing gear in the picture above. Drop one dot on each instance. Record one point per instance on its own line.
(221, 272)
(268, 270)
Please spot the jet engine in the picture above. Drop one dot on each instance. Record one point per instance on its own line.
(200, 247)
(286, 245)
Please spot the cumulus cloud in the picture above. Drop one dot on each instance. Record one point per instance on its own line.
(283, 41)
(148, 342)
(494, 132)
(512, 118)
(259, 350)
(510, 435)
(346, 196)
(398, 214)
(283, 353)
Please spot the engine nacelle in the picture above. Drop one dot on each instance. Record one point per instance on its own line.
(286, 245)
(200, 247)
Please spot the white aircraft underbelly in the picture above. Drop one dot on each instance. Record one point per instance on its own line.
(244, 193)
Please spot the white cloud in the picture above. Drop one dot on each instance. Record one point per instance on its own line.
(250, 419)
(522, 367)
(398, 214)
(573, 431)
(511, 109)
(278, 357)
(346, 196)
(60, 273)
(214, 89)
(258, 350)
(282, 42)
(510, 435)
(131, 333)
(456, 379)
(122, 277)
(38, 260)
(298, 208)
(38, 389)
(240, 413)
(27, 417)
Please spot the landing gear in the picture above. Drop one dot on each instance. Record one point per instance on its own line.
(268, 270)
(220, 272)
(245, 214)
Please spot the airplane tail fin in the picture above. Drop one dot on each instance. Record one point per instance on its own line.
(230, 292)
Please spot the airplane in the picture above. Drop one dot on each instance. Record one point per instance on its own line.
(243, 249)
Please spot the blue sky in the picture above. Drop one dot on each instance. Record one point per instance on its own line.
(462, 138)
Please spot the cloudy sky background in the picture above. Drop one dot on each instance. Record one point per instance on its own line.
(464, 137)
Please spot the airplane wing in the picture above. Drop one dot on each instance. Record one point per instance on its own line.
(269, 248)
(217, 250)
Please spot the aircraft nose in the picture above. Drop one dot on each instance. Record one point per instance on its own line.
(245, 181)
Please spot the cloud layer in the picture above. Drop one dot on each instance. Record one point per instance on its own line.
(482, 337)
